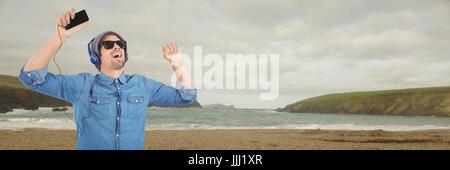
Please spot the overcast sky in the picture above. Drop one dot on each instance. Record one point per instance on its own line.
(324, 46)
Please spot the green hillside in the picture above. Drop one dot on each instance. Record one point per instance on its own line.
(10, 81)
(14, 95)
(431, 101)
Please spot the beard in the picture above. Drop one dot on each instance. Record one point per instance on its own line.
(117, 65)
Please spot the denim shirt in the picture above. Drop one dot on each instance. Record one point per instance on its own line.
(109, 113)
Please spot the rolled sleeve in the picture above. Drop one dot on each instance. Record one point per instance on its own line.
(186, 93)
(64, 87)
(33, 78)
(164, 95)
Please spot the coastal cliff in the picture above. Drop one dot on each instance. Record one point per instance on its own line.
(431, 101)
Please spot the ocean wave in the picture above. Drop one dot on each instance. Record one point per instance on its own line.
(33, 120)
(21, 111)
(64, 123)
(18, 111)
(305, 126)
(20, 123)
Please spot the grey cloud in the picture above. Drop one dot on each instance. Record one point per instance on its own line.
(324, 46)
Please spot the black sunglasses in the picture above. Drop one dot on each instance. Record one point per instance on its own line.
(110, 44)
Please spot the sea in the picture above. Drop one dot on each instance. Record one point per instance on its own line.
(201, 118)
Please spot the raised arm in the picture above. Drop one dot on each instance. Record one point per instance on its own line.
(43, 55)
(171, 53)
(35, 75)
(164, 95)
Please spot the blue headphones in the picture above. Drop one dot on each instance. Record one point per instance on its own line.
(94, 57)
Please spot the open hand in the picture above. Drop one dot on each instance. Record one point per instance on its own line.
(171, 53)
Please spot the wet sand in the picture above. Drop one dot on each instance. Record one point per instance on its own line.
(267, 139)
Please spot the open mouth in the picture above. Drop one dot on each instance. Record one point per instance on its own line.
(116, 56)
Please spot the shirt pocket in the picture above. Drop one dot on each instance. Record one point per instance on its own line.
(98, 107)
(136, 107)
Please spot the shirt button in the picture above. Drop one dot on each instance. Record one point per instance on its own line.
(118, 118)
(29, 74)
(98, 101)
(118, 102)
(136, 101)
(117, 135)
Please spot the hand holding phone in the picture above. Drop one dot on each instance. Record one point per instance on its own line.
(69, 23)
(79, 18)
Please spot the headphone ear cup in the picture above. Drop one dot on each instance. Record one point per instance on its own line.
(94, 59)
(92, 56)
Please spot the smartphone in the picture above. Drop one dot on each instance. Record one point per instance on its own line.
(80, 17)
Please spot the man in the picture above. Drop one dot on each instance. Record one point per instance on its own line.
(110, 107)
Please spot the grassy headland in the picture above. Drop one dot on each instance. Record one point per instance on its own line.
(431, 101)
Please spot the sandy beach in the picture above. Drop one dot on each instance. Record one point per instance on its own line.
(268, 139)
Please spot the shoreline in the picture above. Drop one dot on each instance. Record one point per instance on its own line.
(243, 139)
